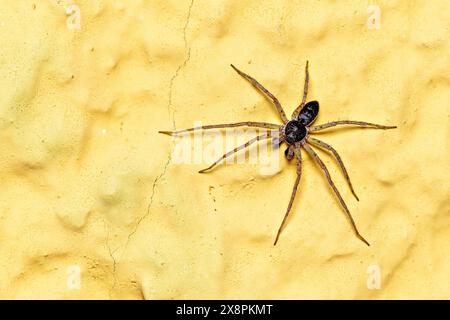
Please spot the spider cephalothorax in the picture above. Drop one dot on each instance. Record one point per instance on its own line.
(296, 134)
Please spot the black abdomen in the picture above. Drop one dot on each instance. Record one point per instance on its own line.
(309, 113)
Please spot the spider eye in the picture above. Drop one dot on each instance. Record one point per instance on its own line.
(309, 113)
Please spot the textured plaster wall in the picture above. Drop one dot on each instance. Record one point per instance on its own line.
(91, 205)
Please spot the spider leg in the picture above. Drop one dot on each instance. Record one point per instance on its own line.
(305, 92)
(277, 142)
(294, 191)
(350, 122)
(289, 152)
(326, 146)
(245, 145)
(316, 158)
(226, 125)
(256, 84)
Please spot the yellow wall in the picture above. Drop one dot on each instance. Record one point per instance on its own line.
(86, 180)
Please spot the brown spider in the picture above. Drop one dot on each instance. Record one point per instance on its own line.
(296, 133)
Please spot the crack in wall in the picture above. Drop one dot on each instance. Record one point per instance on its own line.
(114, 262)
(151, 201)
(171, 111)
(187, 54)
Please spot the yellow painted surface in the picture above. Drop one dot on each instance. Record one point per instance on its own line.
(88, 184)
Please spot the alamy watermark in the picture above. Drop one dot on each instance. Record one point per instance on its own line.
(73, 21)
(374, 277)
(374, 19)
(73, 281)
(229, 147)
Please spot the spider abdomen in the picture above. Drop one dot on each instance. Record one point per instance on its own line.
(294, 132)
(309, 113)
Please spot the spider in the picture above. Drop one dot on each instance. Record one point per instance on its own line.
(297, 134)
